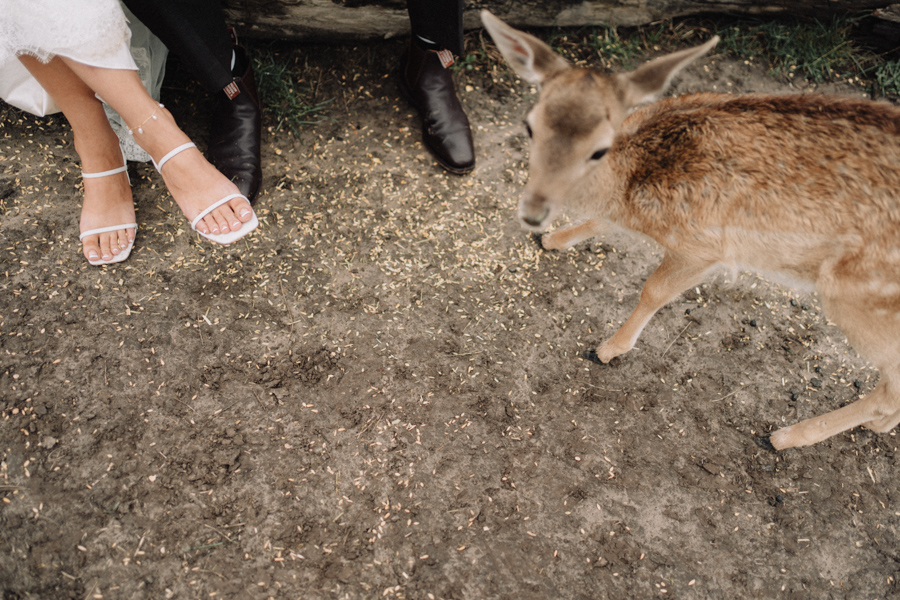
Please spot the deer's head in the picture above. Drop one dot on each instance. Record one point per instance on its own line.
(578, 113)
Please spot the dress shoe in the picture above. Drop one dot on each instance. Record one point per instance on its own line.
(234, 140)
(428, 86)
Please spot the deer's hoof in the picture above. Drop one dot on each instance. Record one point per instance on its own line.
(592, 356)
(765, 442)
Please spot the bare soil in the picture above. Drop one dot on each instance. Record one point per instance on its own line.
(381, 393)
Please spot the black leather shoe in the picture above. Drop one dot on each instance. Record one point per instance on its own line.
(234, 139)
(445, 128)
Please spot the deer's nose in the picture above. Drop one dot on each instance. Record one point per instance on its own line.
(534, 210)
(536, 221)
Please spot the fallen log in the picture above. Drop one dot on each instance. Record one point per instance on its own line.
(357, 20)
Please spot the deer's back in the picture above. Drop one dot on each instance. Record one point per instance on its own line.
(818, 167)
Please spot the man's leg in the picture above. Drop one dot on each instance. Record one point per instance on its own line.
(426, 81)
(438, 22)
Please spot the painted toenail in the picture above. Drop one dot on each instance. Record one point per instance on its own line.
(246, 212)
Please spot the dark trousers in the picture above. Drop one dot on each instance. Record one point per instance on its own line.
(195, 31)
(439, 21)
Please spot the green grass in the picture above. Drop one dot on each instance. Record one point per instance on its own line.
(886, 76)
(472, 60)
(611, 47)
(819, 50)
(614, 48)
(287, 100)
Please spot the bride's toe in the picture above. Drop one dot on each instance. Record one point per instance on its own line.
(107, 250)
(229, 217)
(241, 209)
(203, 228)
(220, 218)
(220, 223)
(91, 249)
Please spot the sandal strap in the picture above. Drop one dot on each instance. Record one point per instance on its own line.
(213, 207)
(121, 169)
(159, 165)
(107, 229)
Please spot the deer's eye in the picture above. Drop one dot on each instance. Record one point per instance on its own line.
(528, 129)
(598, 154)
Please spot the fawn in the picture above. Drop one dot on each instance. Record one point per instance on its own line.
(804, 188)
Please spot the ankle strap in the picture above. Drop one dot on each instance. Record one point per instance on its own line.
(122, 169)
(104, 173)
(159, 165)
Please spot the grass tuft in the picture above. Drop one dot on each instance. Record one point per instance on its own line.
(886, 78)
(286, 98)
(820, 51)
(613, 48)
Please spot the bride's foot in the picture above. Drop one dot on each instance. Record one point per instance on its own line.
(193, 182)
(197, 186)
(107, 216)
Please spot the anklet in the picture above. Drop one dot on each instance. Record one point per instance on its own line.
(153, 115)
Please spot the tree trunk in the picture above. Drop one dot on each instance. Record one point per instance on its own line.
(350, 20)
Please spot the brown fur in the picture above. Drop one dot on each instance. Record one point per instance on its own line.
(569, 115)
(805, 188)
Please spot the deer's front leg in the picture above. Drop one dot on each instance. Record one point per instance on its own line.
(879, 411)
(563, 239)
(675, 274)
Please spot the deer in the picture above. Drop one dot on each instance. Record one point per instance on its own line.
(803, 189)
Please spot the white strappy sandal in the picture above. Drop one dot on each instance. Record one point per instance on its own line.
(123, 254)
(220, 238)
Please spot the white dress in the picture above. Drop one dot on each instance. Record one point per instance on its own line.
(93, 32)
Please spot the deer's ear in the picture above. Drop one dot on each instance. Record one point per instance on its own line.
(532, 59)
(647, 82)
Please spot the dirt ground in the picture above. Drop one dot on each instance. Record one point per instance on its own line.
(381, 394)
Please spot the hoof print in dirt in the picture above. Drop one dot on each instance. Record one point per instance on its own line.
(765, 443)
